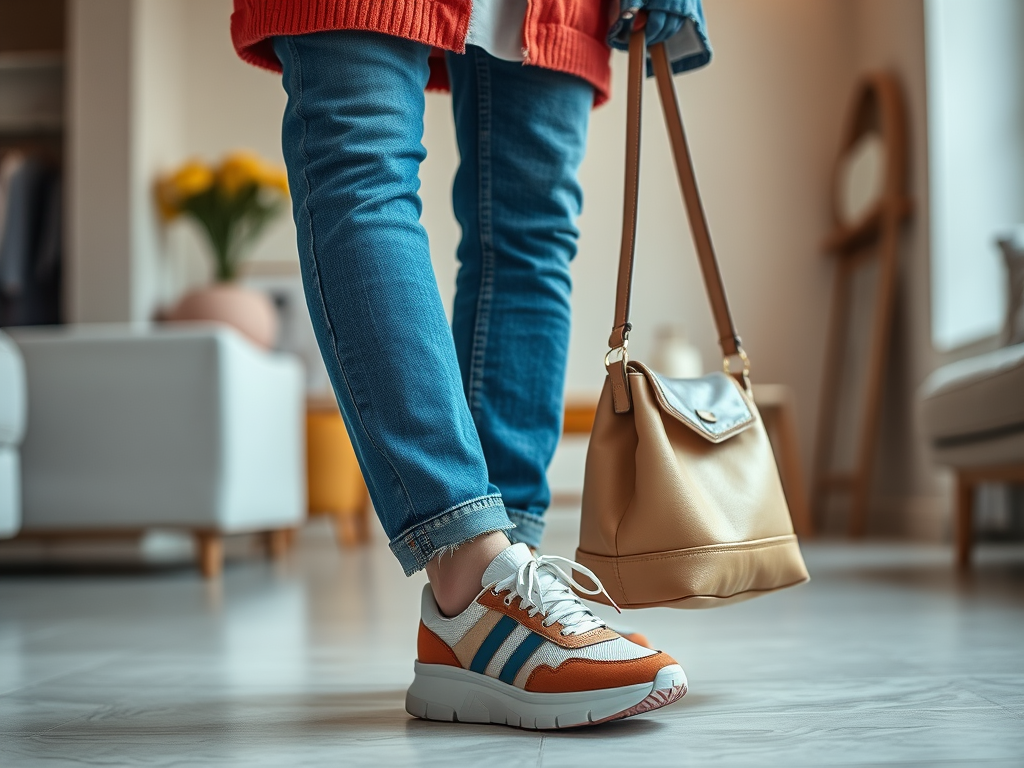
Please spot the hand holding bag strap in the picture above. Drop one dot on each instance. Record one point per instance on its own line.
(728, 337)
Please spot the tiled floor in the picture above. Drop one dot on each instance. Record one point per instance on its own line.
(884, 658)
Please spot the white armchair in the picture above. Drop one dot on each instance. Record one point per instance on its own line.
(12, 429)
(172, 427)
(974, 417)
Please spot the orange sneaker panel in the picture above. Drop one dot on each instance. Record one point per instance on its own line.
(589, 675)
(536, 623)
(431, 649)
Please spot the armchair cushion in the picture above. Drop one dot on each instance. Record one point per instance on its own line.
(974, 409)
(160, 426)
(12, 429)
(12, 393)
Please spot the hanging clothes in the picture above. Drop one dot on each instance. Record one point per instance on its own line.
(30, 240)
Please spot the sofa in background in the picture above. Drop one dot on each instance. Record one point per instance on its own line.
(188, 427)
(974, 416)
(12, 429)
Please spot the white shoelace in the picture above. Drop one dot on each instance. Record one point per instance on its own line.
(543, 587)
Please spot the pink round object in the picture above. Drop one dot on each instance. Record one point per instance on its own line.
(247, 311)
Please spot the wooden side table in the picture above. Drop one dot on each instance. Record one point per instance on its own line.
(775, 403)
(336, 485)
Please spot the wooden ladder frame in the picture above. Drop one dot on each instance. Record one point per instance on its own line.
(877, 106)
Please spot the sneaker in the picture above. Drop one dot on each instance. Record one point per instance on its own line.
(633, 636)
(528, 653)
(630, 634)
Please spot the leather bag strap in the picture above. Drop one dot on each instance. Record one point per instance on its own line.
(728, 338)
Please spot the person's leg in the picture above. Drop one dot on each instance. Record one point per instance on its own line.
(521, 133)
(352, 142)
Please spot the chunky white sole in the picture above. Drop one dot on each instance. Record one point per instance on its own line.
(453, 694)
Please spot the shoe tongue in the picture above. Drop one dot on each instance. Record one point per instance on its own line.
(506, 563)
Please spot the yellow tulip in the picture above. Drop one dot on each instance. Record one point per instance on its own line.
(275, 179)
(191, 179)
(239, 170)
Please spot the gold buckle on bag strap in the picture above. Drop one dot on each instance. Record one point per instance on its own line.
(743, 376)
(742, 355)
(623, 355)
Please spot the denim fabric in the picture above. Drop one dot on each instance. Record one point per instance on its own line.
(521, 133)
(454, 427)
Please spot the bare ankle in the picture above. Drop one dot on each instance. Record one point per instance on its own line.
(455, 574)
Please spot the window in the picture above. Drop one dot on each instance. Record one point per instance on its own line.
(976, 159)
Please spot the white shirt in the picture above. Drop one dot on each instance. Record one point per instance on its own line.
(497, 27)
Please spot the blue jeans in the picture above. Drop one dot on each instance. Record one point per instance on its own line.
(454, 426)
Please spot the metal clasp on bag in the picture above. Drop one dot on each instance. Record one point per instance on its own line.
(742, 355)
(623, 355)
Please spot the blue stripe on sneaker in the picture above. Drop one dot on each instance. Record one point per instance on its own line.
(491, 643)
(519, 657)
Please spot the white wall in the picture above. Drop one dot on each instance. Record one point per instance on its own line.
(99, 269)
(160, 31)
(230, 105)
(151, 84)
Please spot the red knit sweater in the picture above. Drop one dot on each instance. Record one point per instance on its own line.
(564, 35)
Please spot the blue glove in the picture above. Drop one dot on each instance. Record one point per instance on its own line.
(665, 20)
(661, 25)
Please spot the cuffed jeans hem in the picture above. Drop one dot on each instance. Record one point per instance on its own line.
(420, 544)
(529, 528)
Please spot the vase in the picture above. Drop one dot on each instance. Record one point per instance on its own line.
(249, 312)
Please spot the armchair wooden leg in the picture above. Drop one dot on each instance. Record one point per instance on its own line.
(278, 542)
(365, 509)
(964, 521)
(352, 524)
(210, 547)
(346, 529)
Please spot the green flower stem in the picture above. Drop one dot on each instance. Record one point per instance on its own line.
(232, 223)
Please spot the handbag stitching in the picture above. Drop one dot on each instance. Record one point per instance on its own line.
(739, 546)
(618, 576)
(666, 603)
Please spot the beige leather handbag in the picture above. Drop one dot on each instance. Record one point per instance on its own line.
(682, 502)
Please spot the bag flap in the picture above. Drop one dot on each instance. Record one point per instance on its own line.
(712, 406)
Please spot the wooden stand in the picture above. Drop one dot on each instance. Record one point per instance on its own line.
(878, 107)
(278, 542)
(209, 542)
(775, 404)
(579, 417)
(210, 549)
(967, 479)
